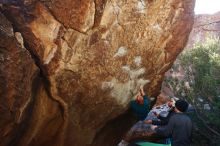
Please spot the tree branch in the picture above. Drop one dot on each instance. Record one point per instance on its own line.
(208, 23)
(205, 29)
(203, 121)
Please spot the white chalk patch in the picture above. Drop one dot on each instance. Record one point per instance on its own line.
(126, 69)
(107, 85)
(124, 92)
(142, 82)
(139, 83)
(122, 51)
(137, 60)
(50, 55)
(141, 6)
(157, 27)
(133, 74)
(136, 73)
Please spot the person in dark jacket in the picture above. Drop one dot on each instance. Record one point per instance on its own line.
(179, 127)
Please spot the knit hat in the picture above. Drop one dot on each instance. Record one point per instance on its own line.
(181, 105)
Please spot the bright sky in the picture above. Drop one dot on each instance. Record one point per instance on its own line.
(207, 6)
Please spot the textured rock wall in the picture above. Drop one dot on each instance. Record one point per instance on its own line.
(93, 56)
(205, 26)
(17, 74)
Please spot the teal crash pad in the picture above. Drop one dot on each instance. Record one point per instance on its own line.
(151, 144)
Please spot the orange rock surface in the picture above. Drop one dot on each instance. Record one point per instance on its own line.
(92, 56)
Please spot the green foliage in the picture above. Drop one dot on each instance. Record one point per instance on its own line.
(204, 60)
(201, 66)
(213, 117)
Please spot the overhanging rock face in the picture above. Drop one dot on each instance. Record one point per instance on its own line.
(93, 57)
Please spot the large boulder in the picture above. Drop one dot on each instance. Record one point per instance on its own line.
(93, 56)
(17, 83)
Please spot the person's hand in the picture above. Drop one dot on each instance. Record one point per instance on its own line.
(139, 99)
(156, 114)
(138, 96)
(148, 121)
(153, 127)
(141, 91)
(171, 103)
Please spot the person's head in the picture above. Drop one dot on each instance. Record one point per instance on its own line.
(162, 98)
(181, 105)
(171, 103)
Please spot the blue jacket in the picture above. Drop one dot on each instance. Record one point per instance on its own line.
(140, 110)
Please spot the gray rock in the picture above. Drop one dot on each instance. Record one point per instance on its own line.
(206, 107)
(200, 99)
